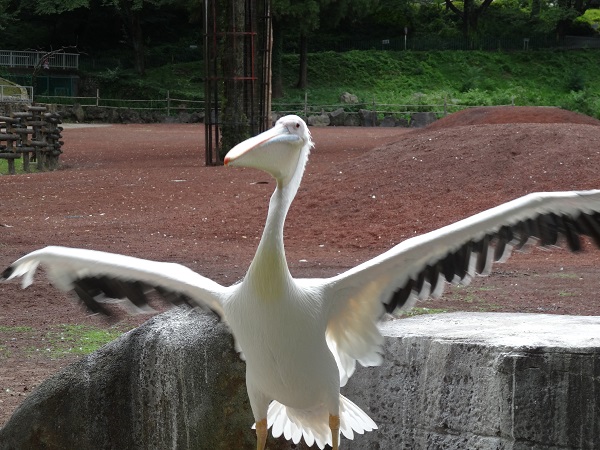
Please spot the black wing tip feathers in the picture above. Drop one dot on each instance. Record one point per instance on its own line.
(88, 290)
(7, 273)
(547, 228)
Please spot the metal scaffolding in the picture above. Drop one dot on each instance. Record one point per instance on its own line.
(237, 61)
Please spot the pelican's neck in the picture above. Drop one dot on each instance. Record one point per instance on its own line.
(269, 271)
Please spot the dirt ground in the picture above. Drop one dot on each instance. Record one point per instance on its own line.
(142, 190)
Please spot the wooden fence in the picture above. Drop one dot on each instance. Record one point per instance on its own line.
(167, 104)
(170, 105)
(32, 134)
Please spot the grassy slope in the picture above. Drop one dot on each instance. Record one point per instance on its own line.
(559, 78)
(568, 79)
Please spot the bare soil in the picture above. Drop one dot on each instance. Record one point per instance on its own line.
(142, 190)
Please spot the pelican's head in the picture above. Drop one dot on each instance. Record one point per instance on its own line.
(281, 151)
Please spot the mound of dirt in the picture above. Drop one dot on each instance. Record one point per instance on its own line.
(414, 184)
(511, 114)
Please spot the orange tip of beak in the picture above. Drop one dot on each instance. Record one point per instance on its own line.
(227, 160)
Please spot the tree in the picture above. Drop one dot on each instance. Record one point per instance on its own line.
(469, 15)
(59, 6)
(132, 13)
(301, 19)
(568, 11)
(5, 14)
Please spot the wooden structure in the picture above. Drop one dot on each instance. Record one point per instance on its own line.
(27, 59)
(34, 135)
(237, 79)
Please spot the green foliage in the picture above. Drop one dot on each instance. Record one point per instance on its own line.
(575, 81)
(591, 16)
(568, 79)
(179, 82)
(59, 6)
(588, 23)
(5, 15)
(583, 102)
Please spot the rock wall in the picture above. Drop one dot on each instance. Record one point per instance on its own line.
(452, 381)
(174, 383)
(338, 117)
(484, 381)
(77, 113)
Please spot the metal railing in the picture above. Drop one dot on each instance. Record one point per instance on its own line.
(13, 58)
(10, 93)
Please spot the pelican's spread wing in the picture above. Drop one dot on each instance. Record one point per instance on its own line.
(100, 277)
(420, 267)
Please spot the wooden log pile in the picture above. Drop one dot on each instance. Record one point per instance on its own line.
(34, 135)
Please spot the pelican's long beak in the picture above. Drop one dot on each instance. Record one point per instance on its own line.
(239, 154)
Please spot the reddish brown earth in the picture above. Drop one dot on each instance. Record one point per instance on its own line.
(142, 190)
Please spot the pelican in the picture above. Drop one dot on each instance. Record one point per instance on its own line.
(301, 338)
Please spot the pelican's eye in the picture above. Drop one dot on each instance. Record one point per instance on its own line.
(297, 124)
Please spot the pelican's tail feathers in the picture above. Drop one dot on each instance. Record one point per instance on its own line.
(313, 425)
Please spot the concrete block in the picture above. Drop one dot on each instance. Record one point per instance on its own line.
(483, 381)
(449, 381)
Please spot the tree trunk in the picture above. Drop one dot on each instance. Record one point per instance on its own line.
(303, 72)
(277, 77)
(137, 42)
(234, 120)
(469, 16)
(133, 27)
(536, 7)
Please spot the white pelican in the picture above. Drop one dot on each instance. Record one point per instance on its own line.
(301, 338)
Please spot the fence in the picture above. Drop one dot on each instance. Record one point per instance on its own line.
(10, 93)
(13, 58)
(34, 135)
(167, 104)
(306, 110)
(428, 42)
(171, 105)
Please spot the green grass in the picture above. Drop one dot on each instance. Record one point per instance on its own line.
(78, 339)
(566, 294)
(61, 340)
(567, 79)
(18, 166)
(543, 78)
(10, 88)
(469, 294)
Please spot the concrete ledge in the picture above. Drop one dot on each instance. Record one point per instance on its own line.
(484, 381)
(450, 381)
